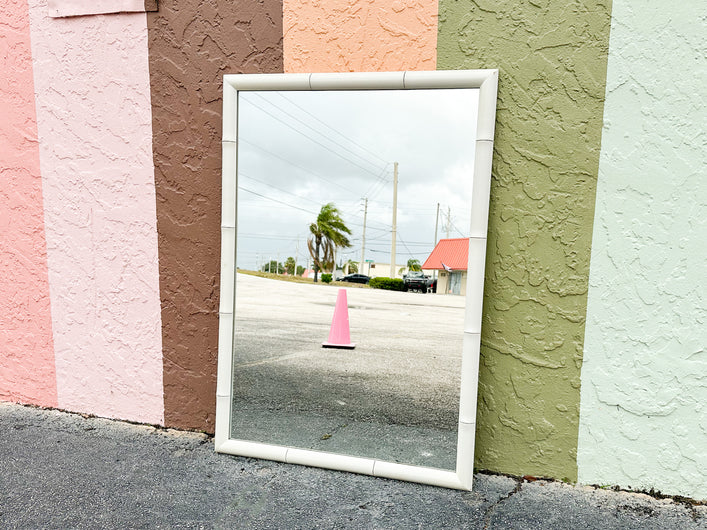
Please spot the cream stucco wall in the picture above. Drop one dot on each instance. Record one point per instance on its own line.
(443, 283)
(643, 421)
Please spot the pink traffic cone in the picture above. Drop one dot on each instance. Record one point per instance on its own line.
(339, 336)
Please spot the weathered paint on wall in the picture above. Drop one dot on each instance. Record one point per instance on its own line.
(26, 349)
(72, 8)
(552, 61)
(93, 116)
(644, 379)
(191, 45)
(361, 36)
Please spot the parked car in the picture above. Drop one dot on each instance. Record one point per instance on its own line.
(354, 278)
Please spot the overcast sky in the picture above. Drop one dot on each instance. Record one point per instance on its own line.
(300, 150)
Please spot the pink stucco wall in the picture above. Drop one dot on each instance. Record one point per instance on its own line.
(362, 36)
(26, 349)
(94, 127)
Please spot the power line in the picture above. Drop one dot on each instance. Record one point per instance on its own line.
(310, 138)
(380, 182)
(404, 244)
(276, 200)
(455, 228)
(267, 236)
(388, 252)
(299, 208)
(412, 244)
(241, 139)
(332, 129)
(241, 174)
(316, 131)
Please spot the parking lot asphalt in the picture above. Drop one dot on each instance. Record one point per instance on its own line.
(394, 397)
(61, 470)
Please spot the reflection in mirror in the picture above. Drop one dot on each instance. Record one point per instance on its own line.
(395, 396)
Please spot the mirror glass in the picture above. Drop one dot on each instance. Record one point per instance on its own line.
(395, 395)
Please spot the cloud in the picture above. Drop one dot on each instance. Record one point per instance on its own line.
(300, 150)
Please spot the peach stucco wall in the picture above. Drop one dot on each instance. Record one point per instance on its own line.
(26, 350)
(360, 36)
(94, 126)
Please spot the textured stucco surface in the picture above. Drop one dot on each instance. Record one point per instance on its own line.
(644, 379)
(359, 36)
(26, 348)
(552, 61)
(93, 116)
(191, 45)
(72, 8)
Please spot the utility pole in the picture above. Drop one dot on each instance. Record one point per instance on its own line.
(363, 237)
(395, 215)
(434, 273)
(294, 273)
(436, 224)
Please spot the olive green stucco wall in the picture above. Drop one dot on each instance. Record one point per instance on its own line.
(552, 61)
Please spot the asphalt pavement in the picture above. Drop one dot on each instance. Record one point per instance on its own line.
(395, 397)
(61, 470)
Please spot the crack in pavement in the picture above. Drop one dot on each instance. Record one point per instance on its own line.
(491, 509)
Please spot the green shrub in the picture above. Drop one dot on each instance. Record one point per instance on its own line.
(390, 284)
(326, 278)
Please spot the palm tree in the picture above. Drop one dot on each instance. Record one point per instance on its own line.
(328, 233)
(352, 266)
(414, 264)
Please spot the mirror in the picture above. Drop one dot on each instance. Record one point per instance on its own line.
(403, 159)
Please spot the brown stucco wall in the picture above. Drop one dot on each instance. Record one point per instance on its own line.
(192, 43)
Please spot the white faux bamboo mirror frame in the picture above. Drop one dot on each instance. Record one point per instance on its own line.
(484, 80)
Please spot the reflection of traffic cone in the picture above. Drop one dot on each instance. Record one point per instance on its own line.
(339, 333)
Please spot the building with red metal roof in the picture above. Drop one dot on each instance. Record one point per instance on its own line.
(451, 258)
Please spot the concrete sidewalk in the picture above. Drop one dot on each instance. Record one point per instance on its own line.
(60, 470)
